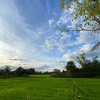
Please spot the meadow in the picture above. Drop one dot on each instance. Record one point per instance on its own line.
(43, 87)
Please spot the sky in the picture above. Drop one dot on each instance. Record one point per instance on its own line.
(29, 37)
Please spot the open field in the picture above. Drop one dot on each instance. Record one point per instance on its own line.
(47, 88)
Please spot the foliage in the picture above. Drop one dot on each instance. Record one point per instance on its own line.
(24, 72)
(97, 45)
(90, 68)
(88, 14)
(6, 72)
(82, 59)
(87, 10)
(56, 73)
(70, 67)
(19, 71)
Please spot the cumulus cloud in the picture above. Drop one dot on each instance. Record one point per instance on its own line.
(86, 48)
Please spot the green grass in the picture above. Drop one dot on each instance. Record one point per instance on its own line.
(88, 88)
(46, 88)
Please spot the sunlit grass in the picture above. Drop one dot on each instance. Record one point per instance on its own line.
(48, 88)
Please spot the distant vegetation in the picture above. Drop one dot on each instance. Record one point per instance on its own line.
(89, 68)
(6, 72)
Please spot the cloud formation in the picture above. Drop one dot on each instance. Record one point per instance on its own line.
(28, 32)
(17, 39)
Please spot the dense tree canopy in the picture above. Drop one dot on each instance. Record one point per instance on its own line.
(70, 67)
(19, 72)
(89, 68)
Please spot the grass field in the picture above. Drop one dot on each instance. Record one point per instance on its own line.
(47, 88)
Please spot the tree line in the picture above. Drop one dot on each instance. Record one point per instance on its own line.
(19, 72)
(6, 72)
(88, 12)
(89, 68)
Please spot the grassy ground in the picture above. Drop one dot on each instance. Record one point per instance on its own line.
(47, 88)
(89, 89)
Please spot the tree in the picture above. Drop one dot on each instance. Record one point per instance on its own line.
(89, 10)
(1, 72)
(96, 66)
(19, 71)
(29, 71)
(32, 71)
(70, 67)
(6, 71)
(86, 10)
(56, 73)
(90, 68)
(82, 60)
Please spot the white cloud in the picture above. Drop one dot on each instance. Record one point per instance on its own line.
(71, 56)
(8, 51)
(17, 38)
(50, 22)
(49, 44)
(64, 18)
(11, 26)
(65, 21)
(86, 37)
(61, 42)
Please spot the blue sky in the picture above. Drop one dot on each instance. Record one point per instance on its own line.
(28, 32)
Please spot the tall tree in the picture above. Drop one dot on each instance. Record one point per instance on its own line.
(86, 10)
(6, 71)
(32, 71)
(19, 71)
(90, 68)
(82, 59)
(70, 67)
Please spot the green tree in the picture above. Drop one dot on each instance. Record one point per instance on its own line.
(32, 71)
(56, 73)
(90, 68)
(82, 60)
(19, 71)
(27, 72)
(86, 10)
(6, 71)
(96, 66)
(1, 72)
(70, 67)
(89, 10)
